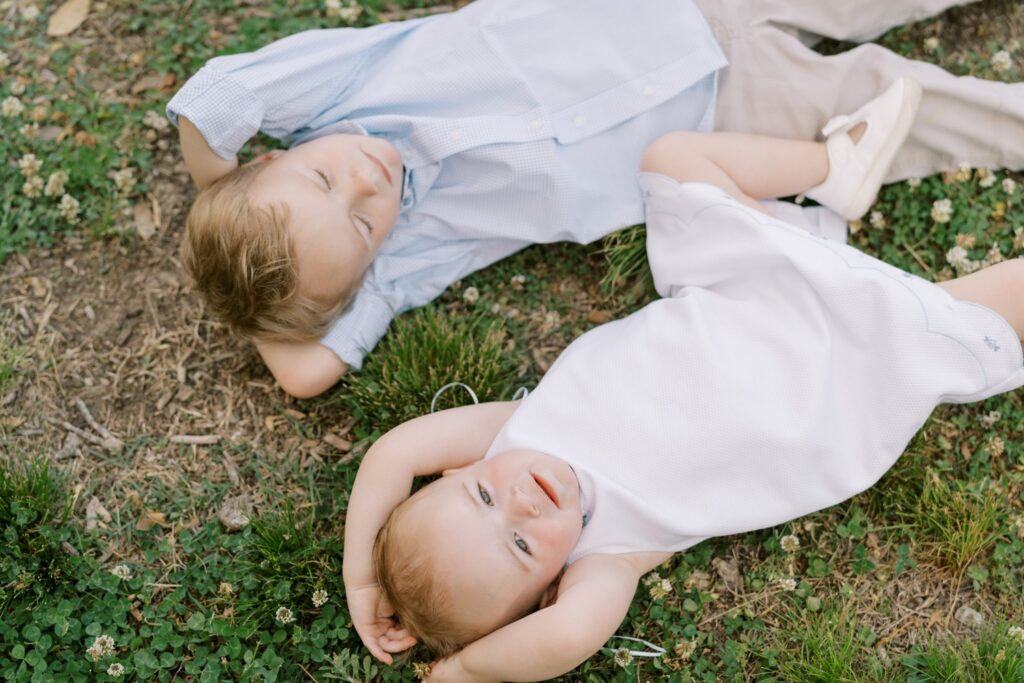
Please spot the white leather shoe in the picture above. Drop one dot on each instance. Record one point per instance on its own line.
(856, 170)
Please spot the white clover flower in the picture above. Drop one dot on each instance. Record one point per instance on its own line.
(1002, 61)
(471, 295)
(992, 256)
(963, 172)
(18, 87)
(913, 183)
(623, 657)
(877, 220)
(334, 8)
(686, 648)
(996, 447)
(790, 543)
(660, 589)
(1009, 185)
(29, 131)
(1016, 632)
(68, 208)
(942, 210)
(116, 670)
(226, 588)
(518, 281)
(30, 165)
(284, 615)
(155, 121)
(11, 107)
(958, 258)
(101, 647)
(5, 61)
(124, 179)
(989, 419)
(29, 12)
(986, 178)
(55, 184)
(931, 44)
(122, 571)
(33, 187)
(788, 584)
(320, 597)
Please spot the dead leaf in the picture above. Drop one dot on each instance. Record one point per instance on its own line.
(599, 317)
(697, 579)
(68, 17)
(95, 513)
(51, 133)
(234, 513)
(332, 439)
(148, 82)
(149, 519)
(12, 422)
(729, 573)
(291, 412)
(144, 223)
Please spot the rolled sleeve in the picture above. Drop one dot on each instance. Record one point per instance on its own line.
(225, 111)
(358, 330)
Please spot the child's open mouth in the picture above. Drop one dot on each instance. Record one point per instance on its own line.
(546, 488)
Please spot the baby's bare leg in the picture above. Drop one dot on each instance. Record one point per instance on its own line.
(749, 167)
(999, 287)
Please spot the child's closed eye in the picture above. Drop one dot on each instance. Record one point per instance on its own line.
(323, 177)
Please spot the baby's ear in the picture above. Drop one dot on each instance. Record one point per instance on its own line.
(267, 156)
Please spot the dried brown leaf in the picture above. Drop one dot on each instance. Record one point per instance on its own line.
(68, 17)
(144, 223)
(335, 441)
(95, 513)
(149, 519)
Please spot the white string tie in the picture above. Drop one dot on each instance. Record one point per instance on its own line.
(653, 650)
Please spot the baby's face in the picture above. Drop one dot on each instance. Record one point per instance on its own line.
(343, 194)
(501, 530)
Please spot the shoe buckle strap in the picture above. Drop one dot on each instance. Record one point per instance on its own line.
(838, 123)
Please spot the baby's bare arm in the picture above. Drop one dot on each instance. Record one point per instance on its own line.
(593, 598)
(427, 445)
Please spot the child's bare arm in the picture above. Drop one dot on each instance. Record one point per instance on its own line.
(427, 445)
(303, 370)
(203, 164)
(593, 598)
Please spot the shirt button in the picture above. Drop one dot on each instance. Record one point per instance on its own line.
(456, 135)
(648, 90)
(536, 124)
(579, 120)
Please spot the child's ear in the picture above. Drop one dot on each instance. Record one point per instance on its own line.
(267, 156)
(454, 470)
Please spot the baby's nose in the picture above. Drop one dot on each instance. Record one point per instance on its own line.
(363, 182)
(524, 504)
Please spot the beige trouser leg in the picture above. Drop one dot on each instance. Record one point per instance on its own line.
(776, 85)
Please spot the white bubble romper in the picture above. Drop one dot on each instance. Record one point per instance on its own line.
(780, 374)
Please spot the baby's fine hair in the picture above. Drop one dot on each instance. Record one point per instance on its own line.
(409, 580)
(241, 260)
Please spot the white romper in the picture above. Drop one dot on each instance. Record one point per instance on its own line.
(781, 374)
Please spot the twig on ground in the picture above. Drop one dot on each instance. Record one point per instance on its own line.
(112, 442)
(195, 440)
(91, 438)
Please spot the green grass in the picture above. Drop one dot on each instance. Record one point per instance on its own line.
(423, 352)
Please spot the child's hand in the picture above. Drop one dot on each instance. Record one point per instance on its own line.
(374, 621)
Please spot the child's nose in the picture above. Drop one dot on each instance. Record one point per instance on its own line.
(363, 182)
(523, 504)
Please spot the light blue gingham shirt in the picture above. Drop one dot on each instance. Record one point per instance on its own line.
(518, 121)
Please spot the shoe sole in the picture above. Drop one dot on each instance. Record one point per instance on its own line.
(868, 190)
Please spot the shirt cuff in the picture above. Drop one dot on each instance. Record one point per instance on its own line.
(225, 111)
(358, 330)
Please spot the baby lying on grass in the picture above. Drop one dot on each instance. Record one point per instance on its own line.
(781, 374)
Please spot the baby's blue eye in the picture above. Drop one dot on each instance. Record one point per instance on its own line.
(521, 544)
(484, 496)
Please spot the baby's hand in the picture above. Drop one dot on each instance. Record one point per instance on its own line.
(374, 621)
(448, 669)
